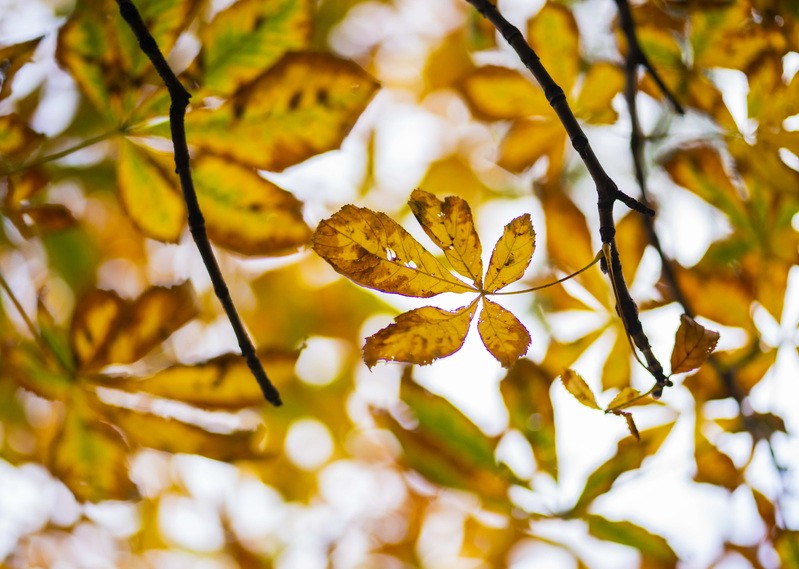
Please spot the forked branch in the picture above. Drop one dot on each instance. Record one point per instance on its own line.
(179, 98)
(607, 191)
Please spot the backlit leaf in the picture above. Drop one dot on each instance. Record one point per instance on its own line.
(692, 346)
(553, 35)
(420, 336)
(511, 255)
(374, 251)
(503, 335)
(17, 140)
(530, 139)
(654, 549)
(224, 382)
(48, 217)
(577, 386)
(601, 84)
(715, 467)
(248, 37)
(525, 391)
(450, 225)
(245, 212)
(303, 105)
(149, 193)
(12, 58)
(629, 455)
(497, 93)
(623, 398)
(94, 321)
(787, 546)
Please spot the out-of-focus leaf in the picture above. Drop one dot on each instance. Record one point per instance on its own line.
(150, 320)
(420, 336)
(12, 58)
(49, 217)
(553, 35)
(692, 345)
(525, 390)
(248, 37)
(148, 191)
(601, 84)
(374, 251)
(449, 62)
(617, 371)
(94, 322)
(245, 212)
(451, 227)
(746, 370)
(512, 254)
(654, 549)
(766, 509)
(448, 449)
(170, 435)
(629, 455)
(302, 106)
(718, 295)
(530, 139)
(577, 386)
(715, 467)
(503, 335)
(25, 367)
(224, 382)
(90, 457)
(454, 171)
(499, 93)
(17, 140)
(787, 546)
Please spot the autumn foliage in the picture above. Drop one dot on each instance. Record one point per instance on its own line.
(401, 442)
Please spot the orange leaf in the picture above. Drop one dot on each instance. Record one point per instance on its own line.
(420, 336)
(512, 254)
(503, 335)
(450, 225)
(374, 251)
(577, 386)
(692, 346)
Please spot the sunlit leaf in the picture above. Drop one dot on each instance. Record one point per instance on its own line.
(525, 391)
(450, 225)
(374, 251)
(12, 58)
(303, 105)
(623, 398)
(503, 335)
(530, 139)
(420, 336)
(692, 346)
(577, 386)
(654, 549)
(150, 320)
(94, 322)
(496, 93)
(245, 212)
(629, 455)
(715, 467)
(449, 62)
(554, 36)
(248, 37)
(17, 140)
(149, 192)
(787, 546)
(512, 254)
(601, 84)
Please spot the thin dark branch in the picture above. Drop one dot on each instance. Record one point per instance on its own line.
(636, 56)
(179, 97)
(607, 191)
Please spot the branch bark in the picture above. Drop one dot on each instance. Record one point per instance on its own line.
(179, 98)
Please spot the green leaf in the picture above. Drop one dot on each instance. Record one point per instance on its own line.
(654, 549)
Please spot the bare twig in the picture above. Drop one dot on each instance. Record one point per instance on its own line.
(179, 97)
(607, 191)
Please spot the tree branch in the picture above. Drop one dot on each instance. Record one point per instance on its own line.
(607, 191)
(179, 97)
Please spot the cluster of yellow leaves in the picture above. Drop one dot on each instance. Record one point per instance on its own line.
(374, 251)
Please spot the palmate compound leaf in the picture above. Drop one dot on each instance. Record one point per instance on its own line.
(692, 346)
(420, 336)
(512, 254)
(450, 225)
(373, 250)
(503, 335)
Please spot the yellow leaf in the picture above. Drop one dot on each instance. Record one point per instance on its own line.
(616, 371)
(715, 467)
(150, 320)
(303, 105)
(374, 251)
(12, 58)
(454, 171)
(420, 336)
(692, 345)
(248, 37)
(148, 192)
(503, 335)
(601, 84)
(90, 456)
(623, 398)
(245, 212)
(530, 139)
(511, 255)
(553, 35)
(448, 62)
(577, 386)
(93, 323)
(17, 140)
(499, 93)
(224, 382)
(450, 225)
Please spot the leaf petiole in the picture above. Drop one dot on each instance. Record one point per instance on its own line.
(553, 283)
(67, 151)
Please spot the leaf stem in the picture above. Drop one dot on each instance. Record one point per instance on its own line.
(599, 257)
(66, 152)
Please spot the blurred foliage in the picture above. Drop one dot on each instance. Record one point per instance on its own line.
(115, 369)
